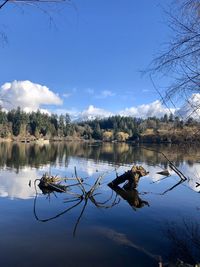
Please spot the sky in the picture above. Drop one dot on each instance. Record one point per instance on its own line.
(85, 58)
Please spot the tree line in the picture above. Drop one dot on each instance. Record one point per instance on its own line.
(17, 124)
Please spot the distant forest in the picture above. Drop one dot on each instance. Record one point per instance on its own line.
(17, 124)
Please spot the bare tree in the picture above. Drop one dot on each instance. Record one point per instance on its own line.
(29, 2)
(48, 7)
(181, 57)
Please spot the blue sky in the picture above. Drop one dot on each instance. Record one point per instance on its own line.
(91, 55)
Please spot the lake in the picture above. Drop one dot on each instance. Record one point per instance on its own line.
(158, 222)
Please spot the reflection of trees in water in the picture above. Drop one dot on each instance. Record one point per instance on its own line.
(19, 155)
(184, 240)
(16, 155)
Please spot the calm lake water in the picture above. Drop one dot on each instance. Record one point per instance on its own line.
(158, 221)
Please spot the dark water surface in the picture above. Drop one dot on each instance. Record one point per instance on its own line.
(111, 231)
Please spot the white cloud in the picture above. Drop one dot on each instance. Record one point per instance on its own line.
(27, 95)
(191, 108)
(88, 114)
(92, 112)
(143, 111)
(31, 97)
(66, 95)
(90, 91)
(105, 94)
(146, 91)
(73, 113)
(147, 110)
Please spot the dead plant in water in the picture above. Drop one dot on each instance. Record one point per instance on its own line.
(78, 198)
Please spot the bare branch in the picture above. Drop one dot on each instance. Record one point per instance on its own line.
(5, 2)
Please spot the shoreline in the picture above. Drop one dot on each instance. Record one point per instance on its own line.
(92, 141)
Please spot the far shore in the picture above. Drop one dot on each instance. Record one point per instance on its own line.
(34, 140)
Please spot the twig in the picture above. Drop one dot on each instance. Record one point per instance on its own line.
(56, 187)
(3, 4)
(79, 180)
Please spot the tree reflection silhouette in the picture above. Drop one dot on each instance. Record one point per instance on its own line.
(17, 155)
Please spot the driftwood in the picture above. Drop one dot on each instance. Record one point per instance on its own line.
(46, 189)
(49, 183)
(132, 177)
(52, 184)
(128, 192)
